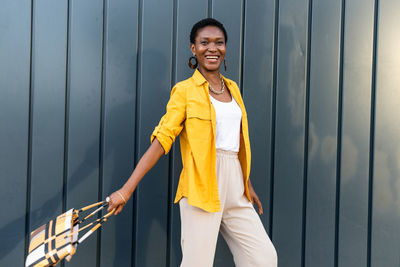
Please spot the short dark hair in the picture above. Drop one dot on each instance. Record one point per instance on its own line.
(204, 23)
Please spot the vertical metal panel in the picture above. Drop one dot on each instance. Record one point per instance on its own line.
(232, 22)
(386, 186)
(257, 94)
(357, 73)
(48, 56)
(119, 94)
(15, 39)
(322, 137)
(154, 87)
(84, 82)
(184, 23)
(289, 135)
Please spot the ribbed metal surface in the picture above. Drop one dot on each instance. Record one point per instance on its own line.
(83, 83)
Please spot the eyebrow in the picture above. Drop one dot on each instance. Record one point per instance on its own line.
(208, 37)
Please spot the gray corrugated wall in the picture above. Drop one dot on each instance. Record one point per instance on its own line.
(83, 83)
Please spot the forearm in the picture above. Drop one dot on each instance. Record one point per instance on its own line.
(148, 160)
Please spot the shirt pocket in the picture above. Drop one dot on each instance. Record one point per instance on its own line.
(198, 122)
(201, 112)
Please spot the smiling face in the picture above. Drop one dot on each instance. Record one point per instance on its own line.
(209, 48)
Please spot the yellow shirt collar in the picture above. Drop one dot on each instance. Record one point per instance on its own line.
(199, 78)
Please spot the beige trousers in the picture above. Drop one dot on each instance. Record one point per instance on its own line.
(238, 222)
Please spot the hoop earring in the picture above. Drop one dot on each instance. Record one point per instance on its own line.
(224, 65)
(191, 65)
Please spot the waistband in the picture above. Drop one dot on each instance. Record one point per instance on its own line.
(227, 154)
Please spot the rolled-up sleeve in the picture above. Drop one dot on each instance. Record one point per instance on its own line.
(171, 124)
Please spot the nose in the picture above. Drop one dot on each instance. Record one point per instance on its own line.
(212, 47)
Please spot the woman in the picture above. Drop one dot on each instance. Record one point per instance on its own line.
(214, 191)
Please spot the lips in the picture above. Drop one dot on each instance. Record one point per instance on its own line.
(212, 58)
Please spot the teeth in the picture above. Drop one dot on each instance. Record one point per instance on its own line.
(212, 57)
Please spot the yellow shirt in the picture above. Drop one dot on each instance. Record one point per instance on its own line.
(191, 114)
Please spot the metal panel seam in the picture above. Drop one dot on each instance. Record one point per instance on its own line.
(101, 126)
(273, 115)
(136, 143)
(66, 114)
(242, 44)
(372, 132)
(171, 154)
(339, 133)
(29, 150)
(306, 131)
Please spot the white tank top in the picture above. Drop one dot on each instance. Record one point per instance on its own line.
(229, 117)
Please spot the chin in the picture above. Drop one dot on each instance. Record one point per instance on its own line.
(212, 68)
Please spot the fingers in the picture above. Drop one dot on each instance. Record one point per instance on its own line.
(111, 207)
(118, 210)
(115, 202)
(259, 205)
(255, 199)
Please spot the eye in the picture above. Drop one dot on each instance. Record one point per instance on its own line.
(203, 42)
(220, 42)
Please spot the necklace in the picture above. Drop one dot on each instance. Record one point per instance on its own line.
(218, 92)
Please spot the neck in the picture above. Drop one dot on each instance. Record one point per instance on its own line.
(212, 77)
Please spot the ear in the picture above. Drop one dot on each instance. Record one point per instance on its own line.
(193, 49)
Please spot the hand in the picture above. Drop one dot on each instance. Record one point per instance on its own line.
(118, 199)
(255, 199)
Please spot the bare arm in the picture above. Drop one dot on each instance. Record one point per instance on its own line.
(119, 198)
